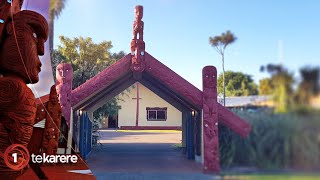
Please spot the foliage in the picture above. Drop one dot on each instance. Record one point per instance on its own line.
(109, 109)
(265, 86)
(281, 82)
(55, 9)
(87, 59)
(220, 44)
(309, 85)
(276, 141)
(237, 84)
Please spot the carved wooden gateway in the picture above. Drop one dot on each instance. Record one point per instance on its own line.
(197, 107)
(22, 37)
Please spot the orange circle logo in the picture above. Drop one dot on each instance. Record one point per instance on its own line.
(16, 157)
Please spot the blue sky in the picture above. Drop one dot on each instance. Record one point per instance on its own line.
(177, 31)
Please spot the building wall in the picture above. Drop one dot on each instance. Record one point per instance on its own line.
(315, 102)
(127, 113)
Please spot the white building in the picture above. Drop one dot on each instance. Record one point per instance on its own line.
(143, 109)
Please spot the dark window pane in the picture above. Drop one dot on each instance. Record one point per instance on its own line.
(161, 114)
(152, 115)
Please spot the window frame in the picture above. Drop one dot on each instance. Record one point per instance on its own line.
(156, 109)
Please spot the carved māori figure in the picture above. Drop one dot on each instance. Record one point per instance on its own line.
(64, 86)
(22, 42)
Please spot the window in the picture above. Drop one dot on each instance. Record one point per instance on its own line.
(156, 114)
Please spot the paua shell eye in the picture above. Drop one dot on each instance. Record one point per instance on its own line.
(34, 35)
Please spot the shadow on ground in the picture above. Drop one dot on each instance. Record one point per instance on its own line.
(119, 159)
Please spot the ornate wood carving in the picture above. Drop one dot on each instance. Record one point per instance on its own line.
(64, 86)
(19, 66)
(5, 13)
(101, 80)
(210, 120)
(137, 44)
(176, 83)
(233, 121)
(52, 126)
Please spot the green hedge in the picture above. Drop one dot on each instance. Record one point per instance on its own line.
(276, 141)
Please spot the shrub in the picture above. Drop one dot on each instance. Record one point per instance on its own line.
(276, 141)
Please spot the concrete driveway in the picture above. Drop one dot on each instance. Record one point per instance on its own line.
(133, 155)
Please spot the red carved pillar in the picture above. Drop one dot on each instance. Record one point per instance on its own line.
(64, 87)
(137, 45)
(53, 119)
(210, 120)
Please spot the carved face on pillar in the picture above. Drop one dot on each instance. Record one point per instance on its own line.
(31, 31)
(209, 74)
(138, 11)
(64, 73)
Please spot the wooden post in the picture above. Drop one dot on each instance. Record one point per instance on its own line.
(210, 120)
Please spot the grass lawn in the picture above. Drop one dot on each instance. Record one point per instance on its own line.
(272, 177)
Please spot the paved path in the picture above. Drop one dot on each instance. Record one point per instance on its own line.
(131, 155)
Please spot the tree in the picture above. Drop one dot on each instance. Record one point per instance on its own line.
(309, 85)
(237, 84)
(265, 86)
(56, 7)
(281, 81)
(220, 44)
(87, 59)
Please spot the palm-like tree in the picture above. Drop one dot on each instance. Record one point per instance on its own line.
(56, 7)
(220, 44)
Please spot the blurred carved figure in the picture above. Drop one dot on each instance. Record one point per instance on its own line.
(52, 126)
(64, 86)
(19, 65)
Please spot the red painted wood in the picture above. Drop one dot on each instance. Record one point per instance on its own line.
(137, 112)
(19, 68)
(5, 13)
(137, 43)
(178, 84)
(233, 121)
(53, 120)
(29, 174)
(210, 120)
(61, 171)
(101, 80)
(150, 127)
(64, 74)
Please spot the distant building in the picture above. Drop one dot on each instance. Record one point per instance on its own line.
(246, 101)
(315, 102)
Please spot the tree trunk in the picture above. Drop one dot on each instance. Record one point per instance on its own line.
(51, 34)
(224, 84)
